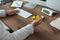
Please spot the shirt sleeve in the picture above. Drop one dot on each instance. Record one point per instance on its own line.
(4, 34)
(20, 34)
(2, 13)
(24, 32)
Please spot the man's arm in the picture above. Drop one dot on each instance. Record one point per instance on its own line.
(24, 32)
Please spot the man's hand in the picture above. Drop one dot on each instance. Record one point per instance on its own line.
(11, 12)
(37, 22)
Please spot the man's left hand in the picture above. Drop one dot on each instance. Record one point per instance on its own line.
(11, 12)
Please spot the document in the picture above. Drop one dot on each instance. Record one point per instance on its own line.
(17, 4)
(23, 13)
(38, 2)
(56, 23)
(30, 5)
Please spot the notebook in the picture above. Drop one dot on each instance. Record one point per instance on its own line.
(23, 13)
(56, 23)
(17, 4)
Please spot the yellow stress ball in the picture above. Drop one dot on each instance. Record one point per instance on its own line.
(36, 17)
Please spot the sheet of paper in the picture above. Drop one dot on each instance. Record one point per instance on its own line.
(56, 23)
(38, 2)
(23, 13)
(32, 0)
(17, 4)
(30, 5)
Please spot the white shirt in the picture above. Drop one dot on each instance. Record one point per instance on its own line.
(20, 34)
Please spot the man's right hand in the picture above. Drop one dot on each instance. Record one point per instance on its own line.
(37, 22)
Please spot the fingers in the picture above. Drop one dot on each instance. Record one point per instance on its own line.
(37, 22)
(14, 11)
(11, 12)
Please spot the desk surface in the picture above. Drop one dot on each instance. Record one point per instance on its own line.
(43, 32)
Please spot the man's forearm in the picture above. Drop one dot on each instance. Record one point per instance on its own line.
(24, 32)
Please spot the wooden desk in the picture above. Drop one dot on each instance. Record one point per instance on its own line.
(43, 32)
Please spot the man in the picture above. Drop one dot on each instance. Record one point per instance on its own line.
(20, 34)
